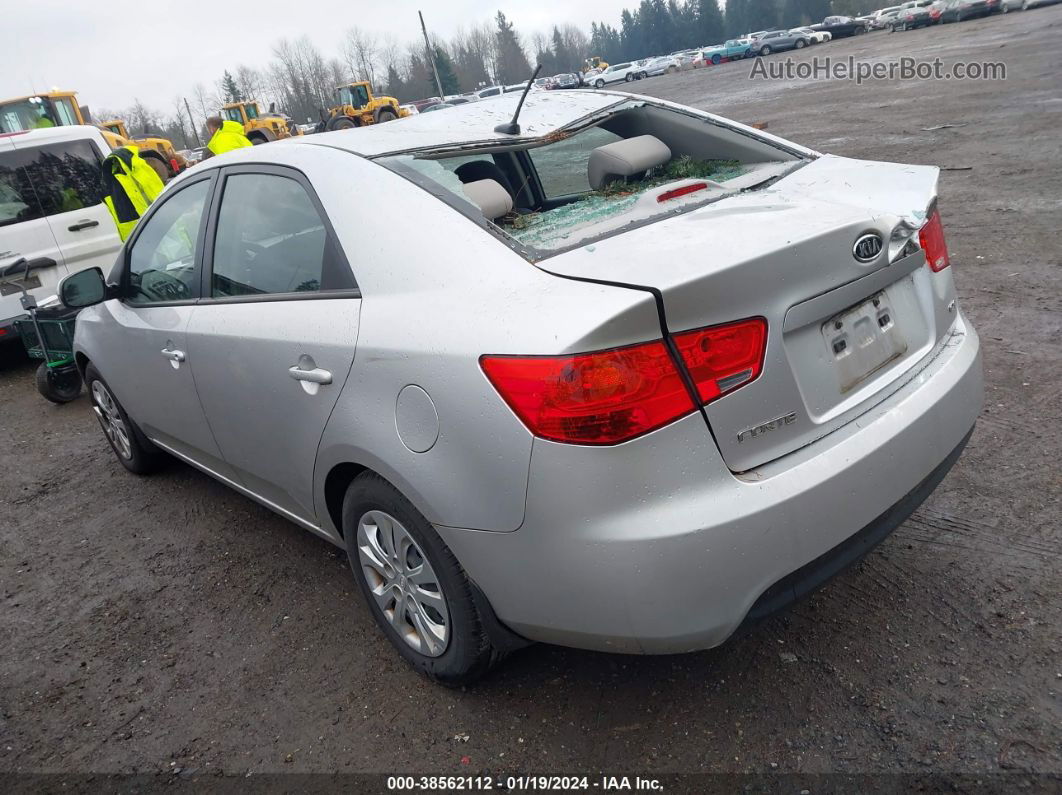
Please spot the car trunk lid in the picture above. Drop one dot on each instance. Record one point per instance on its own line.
(842, 333)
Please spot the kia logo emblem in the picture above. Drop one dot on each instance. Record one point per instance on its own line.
(867, 247)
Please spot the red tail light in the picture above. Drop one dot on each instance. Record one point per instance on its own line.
(685, 190)
(722, 358)
(592, 398)
(931, 238)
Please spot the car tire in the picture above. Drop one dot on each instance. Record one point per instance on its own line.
(599, 84)
(467, 651)
(766, 50)
(859, 31)
(716, 59)
(628, 78)
(642, 75)
(59, 385)
(799, 44)
(672, 69)
(132, 448)
(384, 115)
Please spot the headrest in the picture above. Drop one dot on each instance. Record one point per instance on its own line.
(490, 197)
(625, 158)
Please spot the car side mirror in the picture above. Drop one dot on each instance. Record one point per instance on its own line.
(83, 288)
(272, 107)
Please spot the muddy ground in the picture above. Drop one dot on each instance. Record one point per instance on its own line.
(167, 623)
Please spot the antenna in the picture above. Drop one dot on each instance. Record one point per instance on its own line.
(512, 128)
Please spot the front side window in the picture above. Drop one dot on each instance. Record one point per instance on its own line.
(271, 240)
(362, 94)
(162, 258)
(233, 114)
(252, 110)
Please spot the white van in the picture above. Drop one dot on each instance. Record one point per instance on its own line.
(52, 211)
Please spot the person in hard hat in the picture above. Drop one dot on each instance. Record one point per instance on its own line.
(130, 185)
(224, 136)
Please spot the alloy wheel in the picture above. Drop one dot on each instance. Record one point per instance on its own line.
(111, 420)
(403, 582)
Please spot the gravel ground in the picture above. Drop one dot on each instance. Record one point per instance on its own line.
(162, 624)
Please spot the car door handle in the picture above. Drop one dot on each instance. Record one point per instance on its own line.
(173, 354)
(82, 225)
(314, 376)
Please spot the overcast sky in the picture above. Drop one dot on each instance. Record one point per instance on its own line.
(106, 52)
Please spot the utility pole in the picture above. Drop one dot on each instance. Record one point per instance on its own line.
(431, 56)
(191, 122)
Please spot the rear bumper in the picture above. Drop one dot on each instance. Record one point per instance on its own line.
(654, 546)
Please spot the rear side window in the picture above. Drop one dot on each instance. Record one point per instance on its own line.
(49, 180)
(271, 240)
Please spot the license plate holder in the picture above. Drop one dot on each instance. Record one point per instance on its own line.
(862, 339)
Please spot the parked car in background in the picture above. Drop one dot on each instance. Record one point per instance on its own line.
(814, 36)
(566, 81)
(666, 64)
(915, 14)
(490, 91)
(436, 106)
(958, 10)
(840, 27)
(616, 73)
(644, 452)
(1007, 6)
(420, 104)
(410, 108)
(778, 41)
(731, 50)
(879, 20)
(52, 211)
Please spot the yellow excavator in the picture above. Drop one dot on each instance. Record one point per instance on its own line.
(61, 109)
(357, 107)
(258, 127)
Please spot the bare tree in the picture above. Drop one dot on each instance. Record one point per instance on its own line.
(361, 52)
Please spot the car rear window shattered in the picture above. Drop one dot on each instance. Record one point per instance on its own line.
(549, 229)
(636, 166)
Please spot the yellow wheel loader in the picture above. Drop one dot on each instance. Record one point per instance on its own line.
(258, 127)
(357, 107)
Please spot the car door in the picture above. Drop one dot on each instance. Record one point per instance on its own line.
(272, 340)
(24, 232)
(67, 178)
(141, 349)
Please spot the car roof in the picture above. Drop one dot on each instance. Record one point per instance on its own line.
(471, 123)
(46, 135)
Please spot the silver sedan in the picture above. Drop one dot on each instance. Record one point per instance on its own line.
(626, 378)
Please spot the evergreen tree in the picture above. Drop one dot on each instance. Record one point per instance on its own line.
(762, 14)
(710, 26)
(736, 18)
(631, 35)
(447, 75)
(512, 61)
(230, 89)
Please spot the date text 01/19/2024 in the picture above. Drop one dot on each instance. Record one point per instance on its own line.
(522, 783)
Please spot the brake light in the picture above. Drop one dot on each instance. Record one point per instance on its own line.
(722, 358)
(597, 398)
(931, 238)
(683, 191)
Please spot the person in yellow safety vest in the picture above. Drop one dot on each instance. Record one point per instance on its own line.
(130, 185)
(224, 136)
